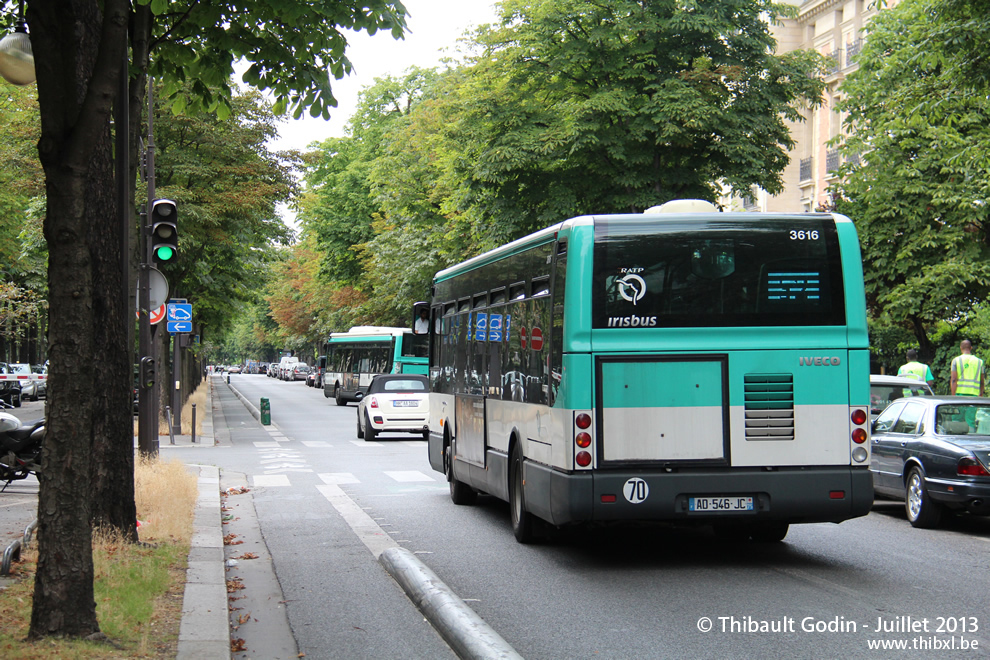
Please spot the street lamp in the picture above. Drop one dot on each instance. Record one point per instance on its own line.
(16, 56)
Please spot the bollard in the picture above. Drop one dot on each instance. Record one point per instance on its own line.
(228, 379)
(194, 423)
(266, 412)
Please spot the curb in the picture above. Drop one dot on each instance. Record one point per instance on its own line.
(204, 632)
(247, 404)
(460, 626)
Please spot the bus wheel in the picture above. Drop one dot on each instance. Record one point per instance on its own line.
(770, 532)
(522, 520)
(460, 493)
(338, 398)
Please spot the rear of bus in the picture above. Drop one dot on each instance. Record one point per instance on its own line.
(728, 361)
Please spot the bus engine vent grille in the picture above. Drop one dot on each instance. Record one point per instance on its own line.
(769, 406)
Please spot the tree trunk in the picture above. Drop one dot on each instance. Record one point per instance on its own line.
(77, 56)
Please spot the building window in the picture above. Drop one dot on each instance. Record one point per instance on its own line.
(806, 169)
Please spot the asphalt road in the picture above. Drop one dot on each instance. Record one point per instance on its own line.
(827, 591)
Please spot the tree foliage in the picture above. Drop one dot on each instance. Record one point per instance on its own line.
(564, 108)
(227, 185)
(920, 199)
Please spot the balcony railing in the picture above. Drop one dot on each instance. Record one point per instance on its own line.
(831, 160)
(833, 65)
(806, 169)
(852, 50)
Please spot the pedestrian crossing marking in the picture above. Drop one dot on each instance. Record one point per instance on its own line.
(270, 480)
(365, 443)
(266, 445)
(338, 478)
(407, 476)
(317, 443)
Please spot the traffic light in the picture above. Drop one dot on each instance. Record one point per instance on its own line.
(147, 373)
(164, 231)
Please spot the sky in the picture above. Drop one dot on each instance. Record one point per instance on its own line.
(433, 27)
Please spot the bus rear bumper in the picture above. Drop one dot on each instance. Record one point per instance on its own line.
(793, 495)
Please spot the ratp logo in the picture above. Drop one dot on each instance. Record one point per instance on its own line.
(632, 287)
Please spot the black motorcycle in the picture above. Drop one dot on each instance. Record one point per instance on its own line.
(20, 448)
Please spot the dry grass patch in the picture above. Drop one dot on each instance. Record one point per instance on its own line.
(138, 588)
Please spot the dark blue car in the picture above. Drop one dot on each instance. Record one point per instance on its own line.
(933, 453)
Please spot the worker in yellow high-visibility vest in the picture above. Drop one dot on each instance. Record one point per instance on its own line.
(916, 370)
(966, 374)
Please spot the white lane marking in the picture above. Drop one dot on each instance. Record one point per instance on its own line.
(316, 443)
(270, 480)
(374, 537)
(17, 503)
(366, 443)
(338, 478)
(266, 445)
(275, 458)
(409, 476)
(414, 443)
(287, 468)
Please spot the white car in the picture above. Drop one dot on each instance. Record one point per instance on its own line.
(884, 389)
(395, 403)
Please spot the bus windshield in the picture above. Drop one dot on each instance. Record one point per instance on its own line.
(724, 273)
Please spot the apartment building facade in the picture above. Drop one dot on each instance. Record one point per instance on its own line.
(836, 29)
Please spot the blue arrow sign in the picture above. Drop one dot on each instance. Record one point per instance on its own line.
(179, 326)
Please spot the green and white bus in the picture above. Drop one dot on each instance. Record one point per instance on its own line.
(354, 357)
(681, 365)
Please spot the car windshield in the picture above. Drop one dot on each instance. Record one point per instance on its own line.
(963, 419)
(20, 368)
(404, 386)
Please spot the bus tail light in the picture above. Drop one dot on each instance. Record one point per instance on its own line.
(859, 434)
(584, 440)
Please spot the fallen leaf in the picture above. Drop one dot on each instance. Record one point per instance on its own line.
(244, 618)
(234, 585)
(237, 645)
(247, 555)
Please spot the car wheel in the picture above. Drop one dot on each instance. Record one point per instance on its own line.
(338, 397)
(17, 400)
(460, 493)
(522, 520)
(921, 510)
(360, 431)
(370, 434)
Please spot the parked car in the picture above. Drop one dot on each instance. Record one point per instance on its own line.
(395, 403)
(273, 370)
(35, 389)
(10, 390)
(299, 371)
(884, 389)
(235, 369)
(933, 452)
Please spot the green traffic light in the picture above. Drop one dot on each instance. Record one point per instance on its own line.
(165, 253)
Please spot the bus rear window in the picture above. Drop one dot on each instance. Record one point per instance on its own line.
(679, 272)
